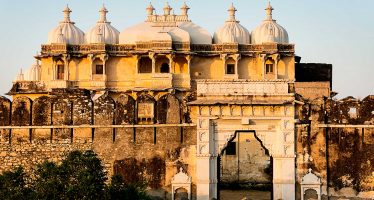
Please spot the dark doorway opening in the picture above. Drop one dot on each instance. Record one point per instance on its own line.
(165, 68)
(245, 168)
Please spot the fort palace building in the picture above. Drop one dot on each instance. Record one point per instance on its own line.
(189, 112)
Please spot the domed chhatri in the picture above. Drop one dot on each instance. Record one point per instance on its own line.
(269, 31)
(166, 27)
(34, 73)
(103, 32)
(66, 32)
(232, 31)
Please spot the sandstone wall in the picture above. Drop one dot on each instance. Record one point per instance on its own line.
(341, 155)
(152, 153)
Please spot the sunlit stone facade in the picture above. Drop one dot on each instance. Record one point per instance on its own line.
(167, 88)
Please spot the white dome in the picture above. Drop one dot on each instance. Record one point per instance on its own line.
(177, 28)
(269, 31)
(66, 32)
(231, 31)
(143, 32)
(198, 35)
(103, 32)
(34, 72)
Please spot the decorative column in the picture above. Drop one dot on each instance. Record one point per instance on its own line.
(104, 58)
(284, 158)
(263, 61)
(137, 63)
(66, 59)
(224, 58)
(91, 58)
(171, 62)
(152, 56)
(54, 66)
(236, 57)
(189, 58)
(206, 160)
(276, 58)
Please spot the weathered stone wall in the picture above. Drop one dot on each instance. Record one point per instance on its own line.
(155, 153)
(342, 156)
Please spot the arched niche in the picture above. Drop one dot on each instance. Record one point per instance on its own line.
(146, 109)
(310, 186)
(310, 194)
(168, 110)
(98, 70)
(180, 65)
(5, 110)
(59, 69)
(82, 110)
(230, 66)
(269, 68)
(61, 112)
(21, 111)
(104, 108)
(41, 111)
(162, 64)
(145, 65)
(125, 110)
(181, 186)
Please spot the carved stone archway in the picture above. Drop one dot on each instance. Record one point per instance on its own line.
(276, 135)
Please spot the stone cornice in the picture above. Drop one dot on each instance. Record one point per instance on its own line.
(167, 46)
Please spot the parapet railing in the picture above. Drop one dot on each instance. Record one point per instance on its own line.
(166, 46)
(241, 87)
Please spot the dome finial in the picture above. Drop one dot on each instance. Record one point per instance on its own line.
(269, 12)
(150, 9)
(184, 9)
(67, 12)
(103, 11)
(231, 11)
(167, 9)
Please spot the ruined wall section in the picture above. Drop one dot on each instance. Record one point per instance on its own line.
(342, 156)
(156, 150)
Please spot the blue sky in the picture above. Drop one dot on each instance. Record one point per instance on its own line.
(340, 32)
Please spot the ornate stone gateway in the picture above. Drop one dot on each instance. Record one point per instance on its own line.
(218, 121)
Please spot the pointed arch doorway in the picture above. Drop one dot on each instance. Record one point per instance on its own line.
(244, 168)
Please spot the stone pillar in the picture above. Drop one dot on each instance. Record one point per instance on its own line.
(54, 71)
(284, 177)
(224, 58)
(276, 58)
(153, 57)
(284, 160)
(104, 58)
(138, 57)
(237, 57)
(263, 60)
(171, 62)
(189, 58)
(91, 58)
(206, 161)
(66, 59)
